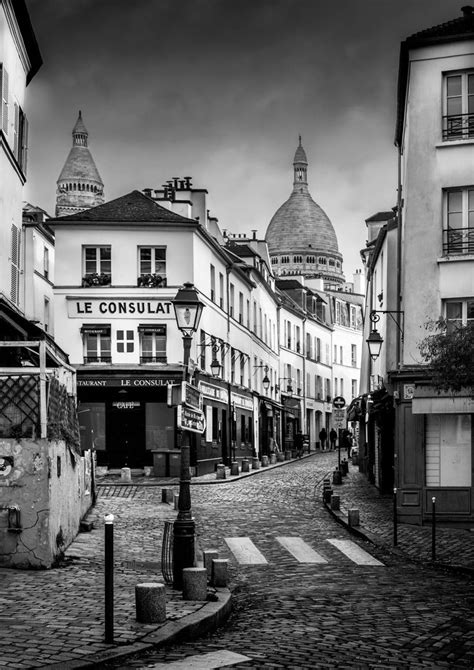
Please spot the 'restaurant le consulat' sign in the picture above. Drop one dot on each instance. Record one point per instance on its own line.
(131, 308)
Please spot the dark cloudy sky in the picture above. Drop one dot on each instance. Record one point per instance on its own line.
(220, 90)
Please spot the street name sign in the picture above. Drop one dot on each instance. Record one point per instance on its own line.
(339, 402)
(339, 418)
(191, 419)
(191, 396)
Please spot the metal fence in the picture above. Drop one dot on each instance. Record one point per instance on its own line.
(167, 553)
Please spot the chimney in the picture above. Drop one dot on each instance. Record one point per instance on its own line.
(254, 234)
(467, 10)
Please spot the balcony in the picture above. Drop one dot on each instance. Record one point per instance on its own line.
(458, 127)
(96, 279)
(151, 281)
(97, 359)
(152, 359)
(458, 241)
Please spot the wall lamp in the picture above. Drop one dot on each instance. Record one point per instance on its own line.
(289, 387)
(215, 365)
(266, 380)
(375, 340)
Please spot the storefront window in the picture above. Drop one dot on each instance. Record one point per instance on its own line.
(448, 450)
(92, 425)
(159, 426)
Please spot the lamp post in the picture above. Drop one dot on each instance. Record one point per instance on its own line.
(188, 309)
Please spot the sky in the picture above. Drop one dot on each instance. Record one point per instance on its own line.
(220, 90)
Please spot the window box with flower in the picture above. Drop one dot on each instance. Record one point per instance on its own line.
(151, 280)
(96, 279)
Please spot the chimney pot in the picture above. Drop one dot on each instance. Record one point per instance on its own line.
(467, 10)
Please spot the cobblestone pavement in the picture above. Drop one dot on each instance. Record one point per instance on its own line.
(402, 614)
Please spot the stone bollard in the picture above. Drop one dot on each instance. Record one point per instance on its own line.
(126, 475)
(255, 464)
(335, 502)
(344, 467)
(234, 468)
(220, 471)
(355, 458)
(176, 500)
(265, 461)
(280, 456)
(273, 459)
(147, 470)
(353, 517)
(287, 455)
(327, 493)
(208, 555)
(167, 495)
(245, 465)
(150, 602)
(337, 477)
(220, 572)
(194, 584)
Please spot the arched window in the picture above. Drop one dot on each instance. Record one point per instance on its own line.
(285, 259)
(322, 260)
(274, 260)
(297, 259)
(331, 262)
(310, 259)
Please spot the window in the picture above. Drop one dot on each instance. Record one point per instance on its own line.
(46, 262)
(335, 354)
(231, 299)
(285, 260)
(221, 290)
(448, 450)
(309, 346)
(20, 136)
(97, 266)
(242, 370)
(125, 341)
(202, 350)
(274, 260)
(310, 259)
(15, 257)
(459, 215)
(322, 260)
(152, 266)
(97, 347)
(342, 386)
(341, 360)
(353, 316)
(297, 259)
(248, 314)
(213, 283)
(458, 313)
(354, 355)
(4, 100)
(458, 119)
(233, 356)
(152, 343)
(354, 388)
(241, 307)
(260, 323)
(318, 349)
(46, 315)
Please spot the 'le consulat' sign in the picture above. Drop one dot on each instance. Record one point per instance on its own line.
(119, 307)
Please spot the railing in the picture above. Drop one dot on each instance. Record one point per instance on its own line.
(153, 359)
(458, 241)
(458, 127)
(97, 359)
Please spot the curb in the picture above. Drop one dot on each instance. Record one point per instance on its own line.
(207, 619)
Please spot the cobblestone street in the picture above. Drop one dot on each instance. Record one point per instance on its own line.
(337, 614)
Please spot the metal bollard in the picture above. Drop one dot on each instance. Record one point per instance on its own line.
(395, 520)
(433, 529)
(337, 477)
(109, 578)
(245, 465)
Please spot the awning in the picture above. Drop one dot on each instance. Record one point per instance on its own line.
(427, 400)
(96, 329)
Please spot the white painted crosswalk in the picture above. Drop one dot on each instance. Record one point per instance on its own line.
(246, 552)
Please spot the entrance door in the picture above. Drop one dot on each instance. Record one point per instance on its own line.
(126, 435)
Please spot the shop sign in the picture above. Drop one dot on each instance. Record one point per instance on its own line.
(408, 391)
(191, 419)
(124, 308)
(242, 401)
(191, 396)
(127, 382)
(129, 404)
(214, 392)
(339, 418)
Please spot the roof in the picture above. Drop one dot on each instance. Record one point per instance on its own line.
(455, 30)
(300, 155)
(380, 216)
(288, 284)
(29, 38)
(135, 207)
(241, 250)
(79, 164)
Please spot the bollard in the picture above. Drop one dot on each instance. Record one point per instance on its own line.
(337, 477)
(327, 493)
(220, 572)
(126, 475)
(150, 602)
(287, 455)
(273, 459)
(353, 517)
(176, 500)
(280, 456)
(265, 461)
(395, 528)
(208, 555)
(355, 458)
(234, 468)
(335, 502)
(344, 467)
(245, 465)
(109, 578)
(433, 529)
(167, 495)
(220, 471)
(255, 464)
(194, 583)
(147, 470)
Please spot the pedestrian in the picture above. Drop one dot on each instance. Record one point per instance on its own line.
(332, 438)
(346, 442)
(299, 444)
(323, 436)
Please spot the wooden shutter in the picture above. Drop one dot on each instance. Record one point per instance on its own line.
(4, 107)
(23, 157)
(15, 264)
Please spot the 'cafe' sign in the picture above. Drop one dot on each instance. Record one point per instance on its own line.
(122, 307)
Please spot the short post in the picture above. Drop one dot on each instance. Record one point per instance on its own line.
(234, 468)
(395, 529)
(109, 578)
(245, 465)
(433, 529)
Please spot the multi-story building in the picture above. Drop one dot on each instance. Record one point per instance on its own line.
(432, 271)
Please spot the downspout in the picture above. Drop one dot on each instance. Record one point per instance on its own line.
(399, 250)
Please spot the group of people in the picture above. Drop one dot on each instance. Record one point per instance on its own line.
(346, 440)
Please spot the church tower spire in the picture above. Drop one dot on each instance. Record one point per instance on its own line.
(80, 186)
(300, 166)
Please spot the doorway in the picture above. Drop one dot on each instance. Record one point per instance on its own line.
(126, 435)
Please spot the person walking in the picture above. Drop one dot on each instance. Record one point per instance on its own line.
(332, 438)
(323, 436)
(299, 444)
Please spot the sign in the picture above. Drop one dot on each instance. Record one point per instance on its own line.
(126, 404)
(339, 402)
(191, 396)
(125, 382)
(339, 418)
(191, 419)
(214, 392)
(123, 308)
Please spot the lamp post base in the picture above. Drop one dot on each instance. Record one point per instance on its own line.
(183, 549)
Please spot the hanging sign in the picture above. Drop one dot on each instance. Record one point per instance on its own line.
(191, 419)
(339, 418)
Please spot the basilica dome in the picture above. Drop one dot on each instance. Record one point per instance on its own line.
(301, 238)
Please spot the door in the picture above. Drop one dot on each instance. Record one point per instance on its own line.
(126, 435)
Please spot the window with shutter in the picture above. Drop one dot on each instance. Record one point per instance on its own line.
(4, 107)
(15, 264)
(16, 128)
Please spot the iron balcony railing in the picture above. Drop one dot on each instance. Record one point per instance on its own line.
(152, 359)
(458, 241)
(458, 127)
(97, 359)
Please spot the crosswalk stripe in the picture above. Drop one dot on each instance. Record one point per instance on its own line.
(245, 551)
(354, 552)
(214, 659)
(300, 550)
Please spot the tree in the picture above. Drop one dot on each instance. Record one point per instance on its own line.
(450, 355)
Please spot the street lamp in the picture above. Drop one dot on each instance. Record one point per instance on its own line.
(266, 380)
(375, 340)
(215, 365)
(188, 310)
